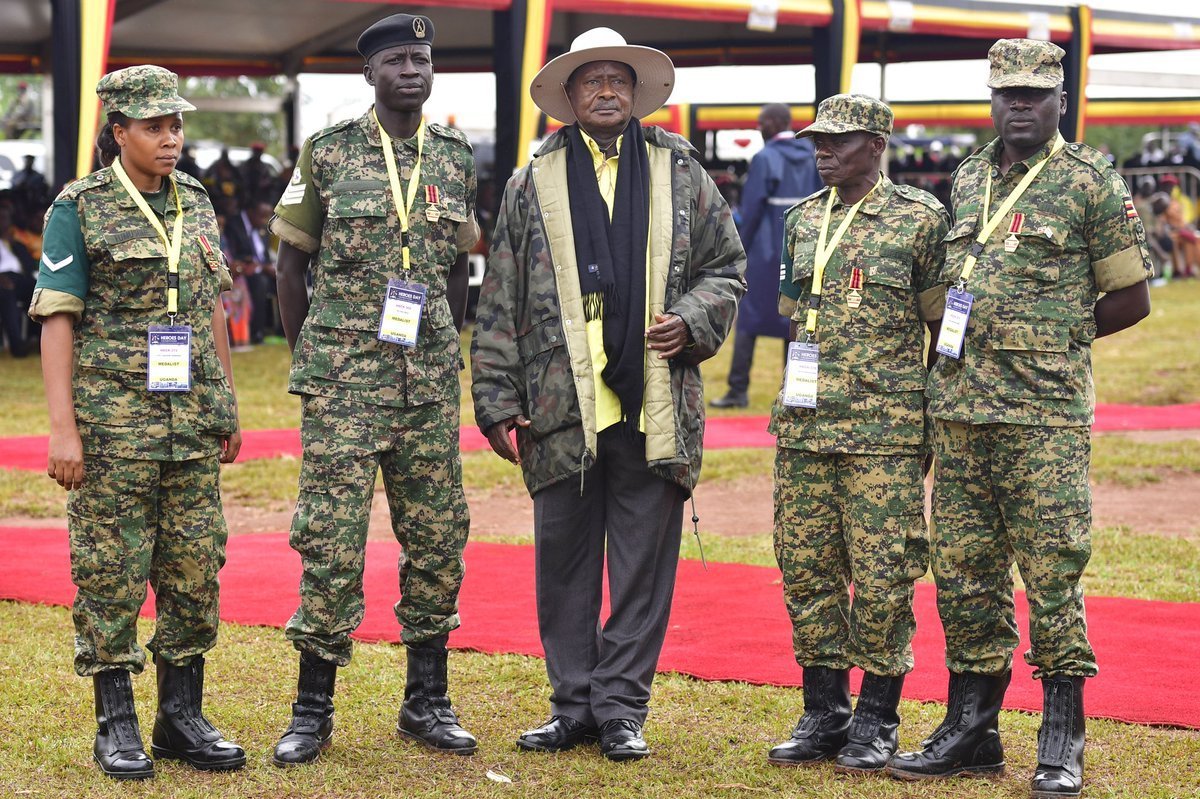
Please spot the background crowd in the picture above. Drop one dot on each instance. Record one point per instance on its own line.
(244, 193)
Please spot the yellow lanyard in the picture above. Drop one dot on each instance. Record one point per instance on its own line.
(174, 245)
(1005, 207)
(403, 205)
(825, 252)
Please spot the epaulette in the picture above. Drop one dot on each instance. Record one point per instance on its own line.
(919, 195)
(187, 180)
(447, 132)
(101, 177)
(1088, 155)
(821, 192)
(337, 127)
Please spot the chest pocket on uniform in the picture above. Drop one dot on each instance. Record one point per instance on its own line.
(1041, 243)
(139, 267)
(887, 291)
(358, 225)
(442, 237)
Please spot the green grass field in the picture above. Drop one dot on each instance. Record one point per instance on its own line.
(710, 739)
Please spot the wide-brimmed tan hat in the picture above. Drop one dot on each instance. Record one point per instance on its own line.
(655, 73)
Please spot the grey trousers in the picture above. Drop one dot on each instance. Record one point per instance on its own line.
(599, 672)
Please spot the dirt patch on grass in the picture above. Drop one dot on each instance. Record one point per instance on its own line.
(744, 506)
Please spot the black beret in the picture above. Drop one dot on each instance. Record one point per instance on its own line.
(394, 31)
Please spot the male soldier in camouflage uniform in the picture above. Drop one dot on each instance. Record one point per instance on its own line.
(141, 463)
(1012, 415)
(388, 243)
(590, 351)
(849, 490)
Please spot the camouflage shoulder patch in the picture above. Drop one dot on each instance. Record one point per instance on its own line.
(976, 155)
(821, 192)
(1089, 155)
(335, 128)
(447, 132)
(184, 179)
(920, 196)
(101, 177)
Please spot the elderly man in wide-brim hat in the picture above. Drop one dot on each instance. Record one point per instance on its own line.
(615, 270)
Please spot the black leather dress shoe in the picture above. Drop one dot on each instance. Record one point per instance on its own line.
(731, 400)
(621, 739)
(558, 734)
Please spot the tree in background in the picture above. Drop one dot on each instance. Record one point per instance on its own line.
(10, 93)
(237, 128)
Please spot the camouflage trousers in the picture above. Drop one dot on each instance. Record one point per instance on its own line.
(842, 519)
(1001, 492)
(135, 521)
(416, 448)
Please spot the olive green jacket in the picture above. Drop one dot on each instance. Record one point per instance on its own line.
(530, 353)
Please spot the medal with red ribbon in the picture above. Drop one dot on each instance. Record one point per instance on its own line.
(432, 212)
(854, 296)
(1018, 223)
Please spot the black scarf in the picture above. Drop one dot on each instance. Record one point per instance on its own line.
(611, 257)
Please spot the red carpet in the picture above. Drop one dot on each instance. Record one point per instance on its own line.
(727, 624)
(722, 432)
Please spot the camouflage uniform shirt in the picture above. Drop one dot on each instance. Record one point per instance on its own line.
(105, 265)
(872, 370)
(1026, 357)
(339, 208)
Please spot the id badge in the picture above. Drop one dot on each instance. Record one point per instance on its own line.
(800, 381)
(170, 358)
(954, 323)
(401, 318)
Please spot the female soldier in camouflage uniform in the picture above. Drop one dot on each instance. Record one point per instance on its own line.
(138, 381)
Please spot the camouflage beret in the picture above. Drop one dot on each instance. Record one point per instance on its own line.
(142, 92)
(846, 113)
(394, 31)
(1025, 62)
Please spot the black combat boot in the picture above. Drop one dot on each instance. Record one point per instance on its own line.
(181, 732)
(118, 750)
(426, 714)
(821, 731)
(967, 742)
(1059, 770)
(312, 714)
(871, 741)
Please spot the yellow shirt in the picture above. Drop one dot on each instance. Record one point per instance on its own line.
(608, 405)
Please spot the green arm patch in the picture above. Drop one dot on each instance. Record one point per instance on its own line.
(48, 302)
(789, 292)
(1120, 270)
(293, 235)
(64, 267)
(300, 206)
